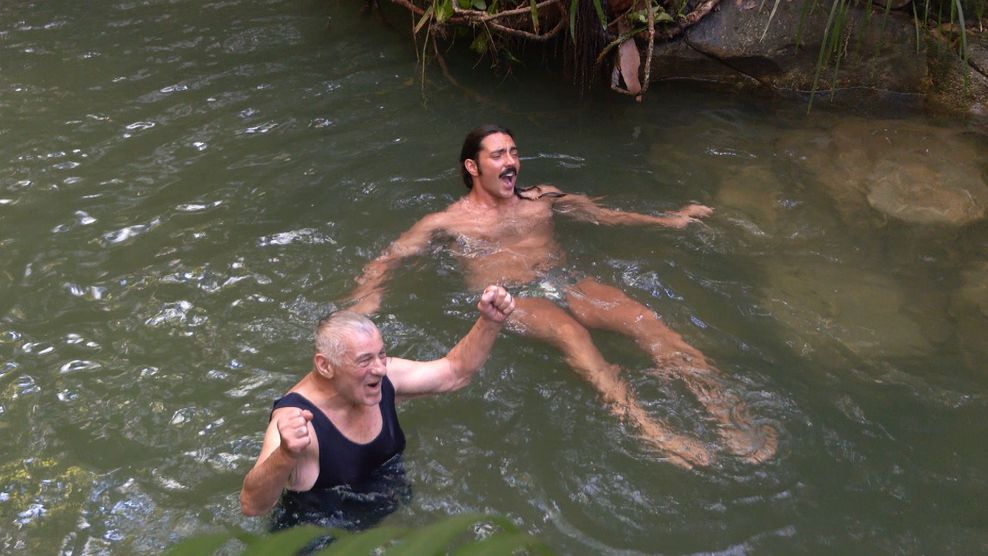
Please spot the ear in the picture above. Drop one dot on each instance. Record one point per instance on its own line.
(471, 166)
(322, 366)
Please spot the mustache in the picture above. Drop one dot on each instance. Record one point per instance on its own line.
(509, 171)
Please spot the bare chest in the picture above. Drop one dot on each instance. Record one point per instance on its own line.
(526, 221)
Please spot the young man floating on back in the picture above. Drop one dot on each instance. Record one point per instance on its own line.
(502, 234)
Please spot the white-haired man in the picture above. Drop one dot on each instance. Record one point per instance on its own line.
(337, 427)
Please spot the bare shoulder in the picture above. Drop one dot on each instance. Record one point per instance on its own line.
(435, 222)
(548, 188)
(542, 191)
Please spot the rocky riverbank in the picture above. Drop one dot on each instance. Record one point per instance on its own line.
(738, 45)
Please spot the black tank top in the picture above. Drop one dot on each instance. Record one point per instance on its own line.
(342, 461)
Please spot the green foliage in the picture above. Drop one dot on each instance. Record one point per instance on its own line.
(493, 28)
(641, 16)
(837, 33)
(479, 44)
(441, 537)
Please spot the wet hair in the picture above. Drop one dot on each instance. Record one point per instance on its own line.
(471, 147)
(334, 331)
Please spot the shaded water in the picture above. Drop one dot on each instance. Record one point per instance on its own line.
(187, 186)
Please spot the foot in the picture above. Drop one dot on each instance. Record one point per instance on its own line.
(751, 444)
(683, 451)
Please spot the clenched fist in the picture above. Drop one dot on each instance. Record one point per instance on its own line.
(496, 304)
(293, 426)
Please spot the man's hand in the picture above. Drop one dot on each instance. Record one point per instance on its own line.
(696, 211)
(496, 304)
(368, 305)
(688, 214)
(294, 430)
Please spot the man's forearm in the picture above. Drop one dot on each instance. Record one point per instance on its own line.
(470, 353)
(264, 483)
(618, 217)
(366, 297)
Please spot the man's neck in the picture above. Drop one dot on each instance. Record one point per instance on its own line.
(320, 391)
(481, 198)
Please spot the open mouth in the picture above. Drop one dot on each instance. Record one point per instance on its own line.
(508, 176)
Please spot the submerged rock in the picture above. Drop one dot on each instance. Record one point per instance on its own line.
(915, 192)
(861, 310)
(969, 307)
(974, 292)
(911, 172)
(750, 196)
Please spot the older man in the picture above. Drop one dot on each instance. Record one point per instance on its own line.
(503, 234)
(337, 428)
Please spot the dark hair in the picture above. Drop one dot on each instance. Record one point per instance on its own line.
(471, 147)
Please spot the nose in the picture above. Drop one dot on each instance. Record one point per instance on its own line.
(512, 159)
(380, 366)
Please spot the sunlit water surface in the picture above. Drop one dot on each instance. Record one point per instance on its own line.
(185, 186)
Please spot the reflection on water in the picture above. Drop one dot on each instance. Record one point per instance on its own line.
(187, 186)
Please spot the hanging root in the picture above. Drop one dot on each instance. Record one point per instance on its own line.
(587, 41)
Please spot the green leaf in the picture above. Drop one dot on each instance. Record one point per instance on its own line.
(824, 57)
(480, 5)
(660, 15)
(362, 543)
(424, 19)
(535, 15)
(465, 4)
(287, 542)
(479, 44)
(244, 536)
(444, 10)
(501, 543)
(199, 545)
(961, 25)
(434, 538)
(600, 13)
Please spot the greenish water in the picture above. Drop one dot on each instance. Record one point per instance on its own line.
(186, 186)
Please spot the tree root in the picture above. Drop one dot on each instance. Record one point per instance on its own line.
(522, 22)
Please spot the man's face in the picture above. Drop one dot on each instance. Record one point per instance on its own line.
(360, 377)
(497, 165)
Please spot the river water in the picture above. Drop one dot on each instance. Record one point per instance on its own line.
(185, 187)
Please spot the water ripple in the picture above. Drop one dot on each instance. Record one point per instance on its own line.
(128, 233)
(305, 236)
(78, 365)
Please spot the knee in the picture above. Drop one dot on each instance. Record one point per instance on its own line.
(573, 336)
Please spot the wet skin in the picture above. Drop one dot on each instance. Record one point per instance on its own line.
(501, 238)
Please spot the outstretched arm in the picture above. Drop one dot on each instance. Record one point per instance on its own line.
(454, 371)
(366, 297)
(585, 208)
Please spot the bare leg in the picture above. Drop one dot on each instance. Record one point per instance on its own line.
(598, 306)
(544, 320)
